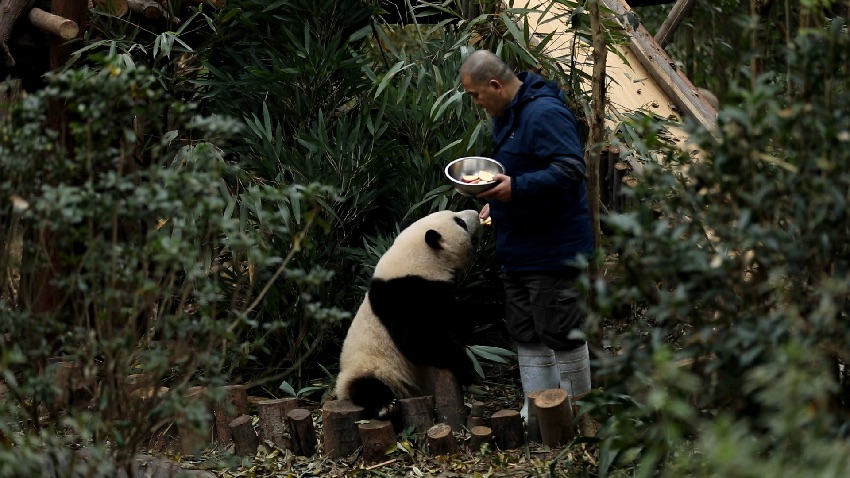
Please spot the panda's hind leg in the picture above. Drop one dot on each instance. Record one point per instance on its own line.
(377, 399)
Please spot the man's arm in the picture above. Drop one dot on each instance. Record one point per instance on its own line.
(555, 140)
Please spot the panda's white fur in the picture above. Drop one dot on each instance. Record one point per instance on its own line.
(419, 267)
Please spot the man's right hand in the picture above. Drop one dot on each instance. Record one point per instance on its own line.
(485, 212)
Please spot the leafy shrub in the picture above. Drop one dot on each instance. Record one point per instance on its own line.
(128, 268)
(737, 265)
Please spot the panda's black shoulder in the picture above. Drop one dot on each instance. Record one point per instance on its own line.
(410, 285)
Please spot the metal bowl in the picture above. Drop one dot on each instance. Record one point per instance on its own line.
(472, 165)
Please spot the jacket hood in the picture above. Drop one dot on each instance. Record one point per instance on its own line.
(534, 86)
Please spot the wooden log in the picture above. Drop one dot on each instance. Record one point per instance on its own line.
(339, 421)
(441, 440)
(556, 417)
(662, 69)
(245, 440)
(417, 412)
(304, 439)
(234, 403)
(116, 8)
(273, 426)
(587, 426)
(48, 22)
(472, 422)
(618, 196)
(532, 425)
(480, 436)
(448, 400)
(677, 15)
(476, 409)
(378, 437)
(508, 433)
(191, 440)
(148, 8)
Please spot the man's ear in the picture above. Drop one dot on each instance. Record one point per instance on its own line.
(495, 84)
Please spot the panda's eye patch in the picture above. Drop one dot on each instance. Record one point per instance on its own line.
(460, 222)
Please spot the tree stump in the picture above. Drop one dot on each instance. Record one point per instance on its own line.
(234, 403)
(532, 424)
(417, 412)
(193, 440)
(587, 426)
(448, 400)
(556, 417)
(378, 437)
(339, 420)
(507, 429)
(476, 416)
(479, 436)
(245, 440)
(273, 426)
(441, 440)
(303, 432)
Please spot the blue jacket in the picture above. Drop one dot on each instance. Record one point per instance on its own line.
(547, 222)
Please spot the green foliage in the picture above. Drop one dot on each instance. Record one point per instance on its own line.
(737, 266)
(152, 268)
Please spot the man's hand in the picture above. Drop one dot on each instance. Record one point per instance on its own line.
(500, 192)
(485, 212)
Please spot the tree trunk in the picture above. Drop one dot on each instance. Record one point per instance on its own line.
(597, 120)
(11, 11)
(761, 10)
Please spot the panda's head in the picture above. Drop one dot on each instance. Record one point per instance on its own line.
(435, 247)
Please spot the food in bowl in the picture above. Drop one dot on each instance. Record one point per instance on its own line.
(479, 177)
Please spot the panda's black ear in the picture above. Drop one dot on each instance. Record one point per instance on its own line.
(432, 238)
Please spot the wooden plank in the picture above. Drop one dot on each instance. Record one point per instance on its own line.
(673, 82)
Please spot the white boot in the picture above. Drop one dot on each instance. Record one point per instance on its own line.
(574, 370)
(537, 371)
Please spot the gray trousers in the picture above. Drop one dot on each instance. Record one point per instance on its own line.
(544, 307)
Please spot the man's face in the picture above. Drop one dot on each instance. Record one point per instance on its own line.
(489, 96)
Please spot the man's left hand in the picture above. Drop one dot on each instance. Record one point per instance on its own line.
(500, 192)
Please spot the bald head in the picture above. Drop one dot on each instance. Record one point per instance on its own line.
(482, 66)
(489, 81)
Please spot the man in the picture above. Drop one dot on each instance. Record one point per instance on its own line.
(539, 209)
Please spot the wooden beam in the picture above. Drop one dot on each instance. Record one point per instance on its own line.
(680, 11)
(663, 70)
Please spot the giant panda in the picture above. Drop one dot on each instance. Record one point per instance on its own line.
(409, 320)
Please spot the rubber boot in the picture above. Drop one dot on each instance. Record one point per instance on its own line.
(537, 371)
(574, 370)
